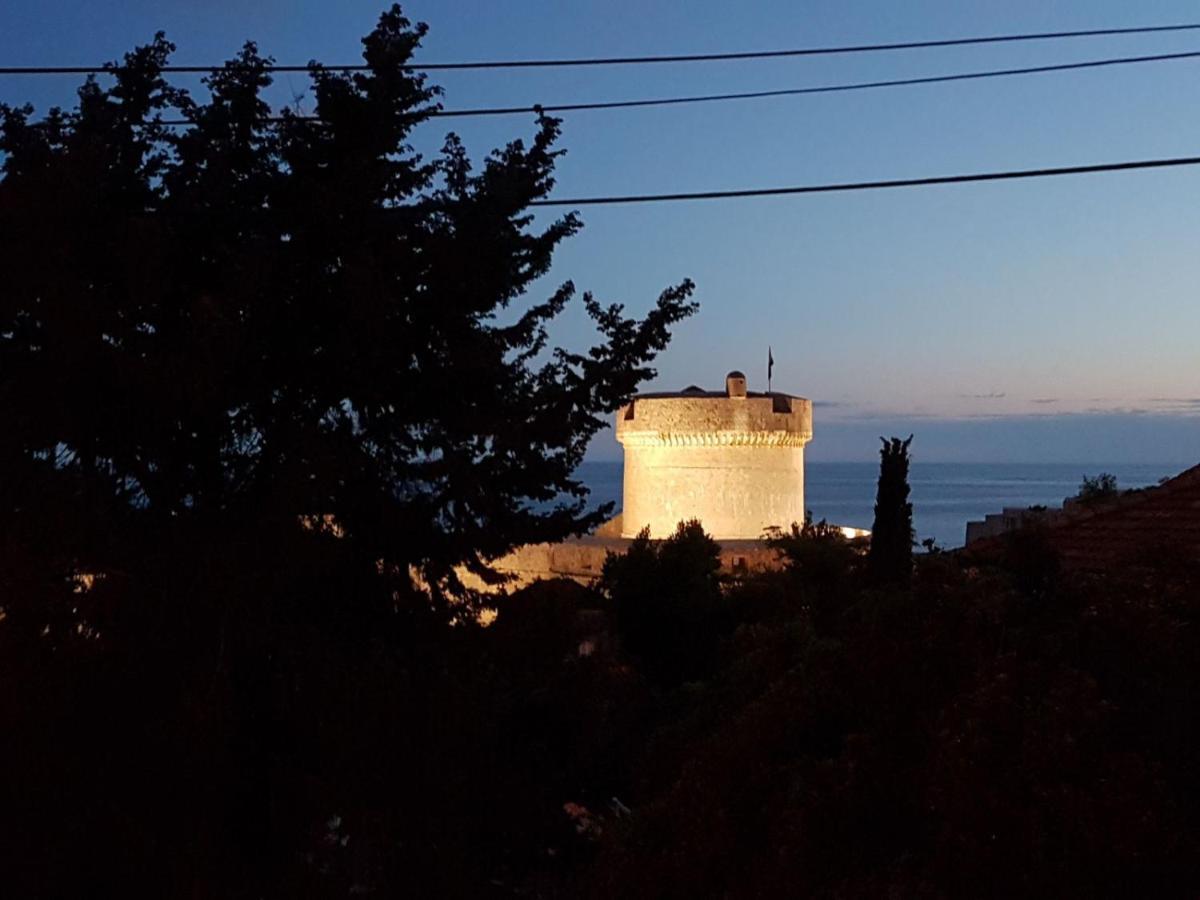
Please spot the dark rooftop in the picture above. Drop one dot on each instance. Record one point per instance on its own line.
(1138, 528)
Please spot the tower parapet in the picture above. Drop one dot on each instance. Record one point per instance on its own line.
(733, 459)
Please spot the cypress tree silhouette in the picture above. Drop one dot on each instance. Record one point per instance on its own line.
(890, 558)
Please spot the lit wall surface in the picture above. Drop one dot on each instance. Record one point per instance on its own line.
(733, 459)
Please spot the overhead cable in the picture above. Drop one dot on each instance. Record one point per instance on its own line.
(782, 92)
(837, 187)
(657, 59)
(818, 89)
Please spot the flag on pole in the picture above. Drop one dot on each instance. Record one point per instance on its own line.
(770, 366)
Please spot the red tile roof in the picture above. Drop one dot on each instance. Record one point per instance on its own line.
(1136, 529)
(1139, 528)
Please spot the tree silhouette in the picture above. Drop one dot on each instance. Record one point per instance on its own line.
(256, 319)
(890, 557)
(668, 607)
(261, 380)
(1099, 489)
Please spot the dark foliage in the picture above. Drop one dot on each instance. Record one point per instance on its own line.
(963, 737)
(890, 557)
(817, 553)
(1099, 489)
(251, 319)
(1029, 554)
(254, 374)
(669, 611)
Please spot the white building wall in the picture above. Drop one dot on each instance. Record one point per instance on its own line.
(737, 492)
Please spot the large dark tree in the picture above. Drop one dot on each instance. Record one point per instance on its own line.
(890, 556)
(255, 318)
(257, 372)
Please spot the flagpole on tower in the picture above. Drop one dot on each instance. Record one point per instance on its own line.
(770, 365)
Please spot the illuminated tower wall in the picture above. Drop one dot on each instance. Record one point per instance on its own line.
(733, 459)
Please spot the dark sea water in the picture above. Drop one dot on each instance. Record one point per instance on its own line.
(944, 495)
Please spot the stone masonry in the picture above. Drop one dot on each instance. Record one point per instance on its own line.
(733, 459)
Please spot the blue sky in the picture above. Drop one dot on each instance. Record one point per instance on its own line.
(1043, 320)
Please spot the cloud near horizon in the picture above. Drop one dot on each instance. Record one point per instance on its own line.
(1171, 439)
(1148, 436)
(1000, 405)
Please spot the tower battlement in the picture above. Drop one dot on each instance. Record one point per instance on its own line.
(733, 459)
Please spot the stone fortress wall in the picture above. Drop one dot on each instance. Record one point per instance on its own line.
(733, 459)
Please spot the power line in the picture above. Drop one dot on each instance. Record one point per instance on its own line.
(821, 89)
(808, 51)
(1011, 175)
(785, 92)
(642, 60)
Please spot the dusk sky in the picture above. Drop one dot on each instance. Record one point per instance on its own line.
(1048, 320)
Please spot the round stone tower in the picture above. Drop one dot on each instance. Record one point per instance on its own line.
(732, 459)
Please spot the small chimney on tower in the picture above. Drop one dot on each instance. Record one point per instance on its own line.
(735, 384)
